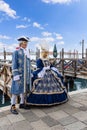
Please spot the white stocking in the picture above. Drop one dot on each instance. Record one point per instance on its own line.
(21, 98)
(13, 99)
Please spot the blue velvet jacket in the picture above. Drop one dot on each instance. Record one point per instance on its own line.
(17, 87)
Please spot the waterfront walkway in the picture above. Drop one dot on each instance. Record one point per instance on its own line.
(68, 116)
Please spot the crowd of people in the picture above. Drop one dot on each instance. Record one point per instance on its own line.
(42, 87)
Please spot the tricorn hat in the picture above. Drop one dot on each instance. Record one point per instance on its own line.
(23, 38)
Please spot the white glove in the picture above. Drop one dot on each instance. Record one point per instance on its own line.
(55, 69)
(46, 68)
(41, 73)
(17, 77)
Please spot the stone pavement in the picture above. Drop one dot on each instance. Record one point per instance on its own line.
(68, 116)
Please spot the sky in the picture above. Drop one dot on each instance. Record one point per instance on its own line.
(60, 22)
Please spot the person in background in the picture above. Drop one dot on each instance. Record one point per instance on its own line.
(20, 73)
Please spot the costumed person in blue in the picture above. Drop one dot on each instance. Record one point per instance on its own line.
(21, 74)
(48, 87)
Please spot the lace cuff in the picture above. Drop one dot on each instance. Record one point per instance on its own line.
(17, 77)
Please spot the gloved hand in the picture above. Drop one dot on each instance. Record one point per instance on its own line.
(41, 73)
(17, 77)
(46, 68)
(55, 69)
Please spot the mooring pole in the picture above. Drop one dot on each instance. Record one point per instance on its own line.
(82, 49)
(62, 61)
(4, 54)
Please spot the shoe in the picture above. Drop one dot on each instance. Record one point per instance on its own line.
(13, 110)
(24, 106)
(21, 106)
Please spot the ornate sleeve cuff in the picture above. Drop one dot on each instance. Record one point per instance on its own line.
(17, 77)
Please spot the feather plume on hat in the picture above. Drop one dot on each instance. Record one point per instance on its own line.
(44, 46)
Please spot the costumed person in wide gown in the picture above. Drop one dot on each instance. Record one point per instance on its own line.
(20, 73)
(48, 87)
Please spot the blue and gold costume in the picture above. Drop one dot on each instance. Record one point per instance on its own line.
(48, 88)
(18, 70)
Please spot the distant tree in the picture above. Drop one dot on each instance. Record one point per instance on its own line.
(55, 51)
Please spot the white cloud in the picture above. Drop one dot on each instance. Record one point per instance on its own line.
(37, 46)
(26, 19)
(4, 7)
(8, 47)
(1, 45)
(11, 47)
(21, 26)
(58, 36)
(49, 39)
(43, 43)
(35, 39)
(37, 25)
(59, 1)
(39, 40)
(5, 37)
(60, 43)
(46, 34)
